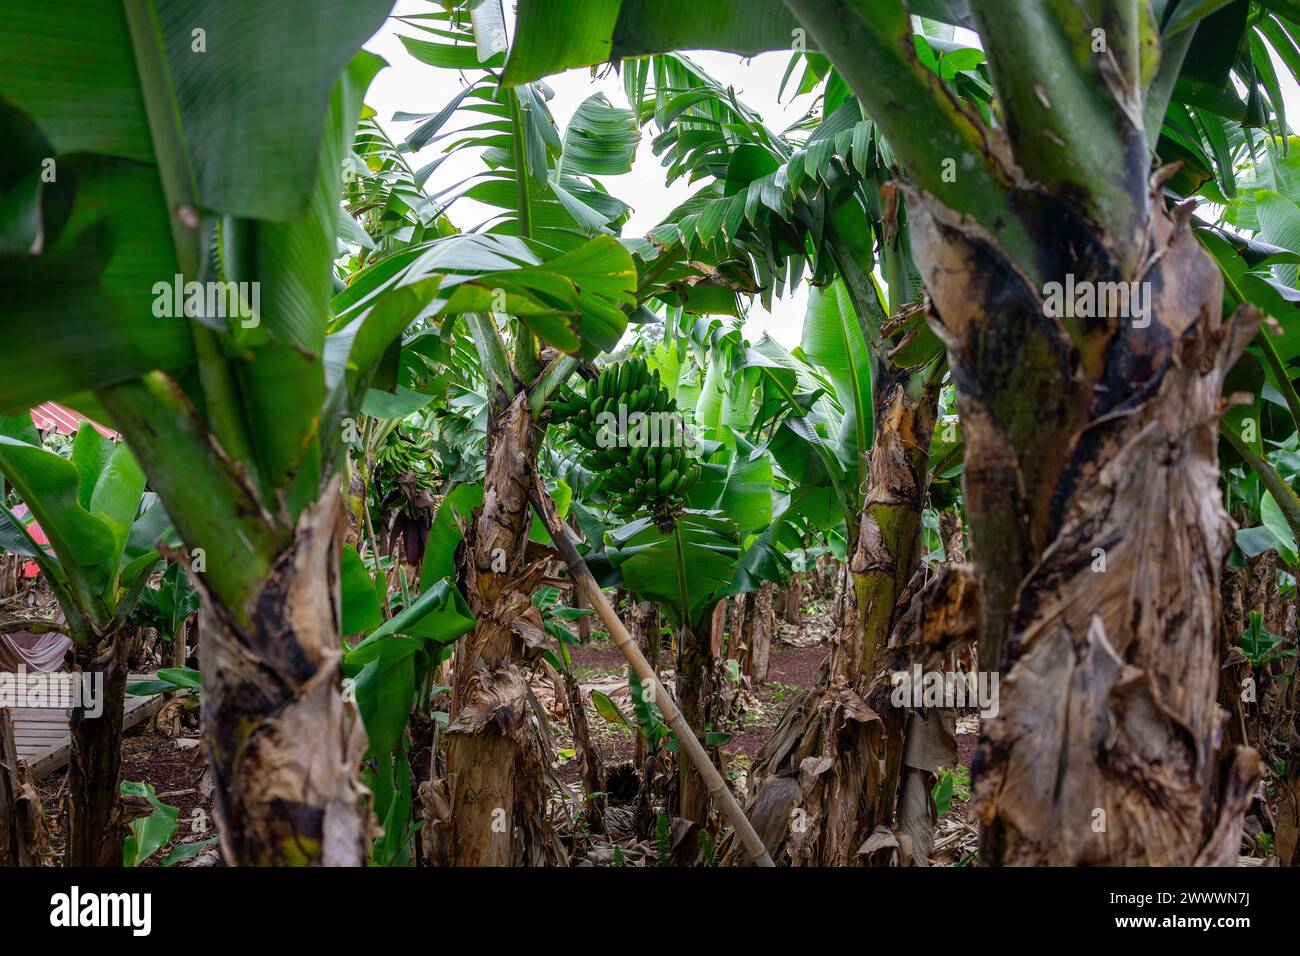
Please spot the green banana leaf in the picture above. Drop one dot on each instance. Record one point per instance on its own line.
(385, 667)
(682, 571)
(833, 339)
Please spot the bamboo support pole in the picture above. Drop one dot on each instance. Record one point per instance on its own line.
(688, 743)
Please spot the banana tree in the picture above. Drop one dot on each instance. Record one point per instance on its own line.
(551, 217)
(189, 303)
(700, 528)
(391, 671)
(200, 326)
(1063, 413)
(688, 570)
(880, 515)
(98, 563)
(812, 198)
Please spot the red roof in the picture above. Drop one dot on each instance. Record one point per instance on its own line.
(64, 420)
(33, 528)
(30, 570)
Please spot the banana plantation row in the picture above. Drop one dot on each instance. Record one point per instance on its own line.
(371, 466)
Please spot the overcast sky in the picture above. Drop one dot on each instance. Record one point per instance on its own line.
(414, 87)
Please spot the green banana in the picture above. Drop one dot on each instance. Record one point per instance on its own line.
(637, 476)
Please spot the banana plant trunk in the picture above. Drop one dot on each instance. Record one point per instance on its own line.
(284, 745)
(760, 628)
(495, 767)
(1085, 333)
(790, 602)
(587, 755)
(828, 776)
(645, 629)
(23, 837)
(95, 827)
(694, 693)
(1098, 534)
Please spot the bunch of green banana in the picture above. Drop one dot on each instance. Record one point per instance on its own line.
(634, 476)
(402, 455)
(631, 384)
(650, 477)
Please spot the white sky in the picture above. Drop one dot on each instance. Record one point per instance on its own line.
(414, 87)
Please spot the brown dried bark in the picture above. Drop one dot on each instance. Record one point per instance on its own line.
(1285, 701)
(1081, 435)
(737, 621)
(1234, 668)
(13, 842)
(584, 622)
(495, 769)
(284, 747)
(718, 631)
(789, 604)
(836, 754)
(1288, 786)
(694, 687)
(930, 746)
(24, 838)
(1270, 720)
(751, 626)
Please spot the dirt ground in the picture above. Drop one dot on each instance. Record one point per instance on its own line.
(173, 761)
(795, 665)
(791, 670)
(174, 766)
